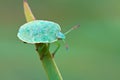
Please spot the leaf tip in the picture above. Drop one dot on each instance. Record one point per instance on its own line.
(28, 13)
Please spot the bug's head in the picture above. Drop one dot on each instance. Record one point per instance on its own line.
(60, 36)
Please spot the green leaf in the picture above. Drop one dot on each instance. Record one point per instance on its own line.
(28, 13)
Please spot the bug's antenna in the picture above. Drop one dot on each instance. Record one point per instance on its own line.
(74, 27)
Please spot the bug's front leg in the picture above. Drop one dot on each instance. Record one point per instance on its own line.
(58, 46)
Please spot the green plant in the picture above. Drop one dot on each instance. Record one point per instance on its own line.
(47, 61)
(42, 33)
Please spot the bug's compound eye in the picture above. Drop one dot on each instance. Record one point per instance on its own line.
(60, 35)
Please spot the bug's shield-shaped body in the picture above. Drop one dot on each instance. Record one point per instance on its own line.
(40, 31)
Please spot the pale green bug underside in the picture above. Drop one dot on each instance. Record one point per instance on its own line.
(39, 31)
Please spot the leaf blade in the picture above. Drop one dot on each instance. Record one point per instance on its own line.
(27, 11)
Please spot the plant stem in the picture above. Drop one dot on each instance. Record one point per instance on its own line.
(48, 63)
(47, 60)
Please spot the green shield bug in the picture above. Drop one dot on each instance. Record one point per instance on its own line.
(42, 31)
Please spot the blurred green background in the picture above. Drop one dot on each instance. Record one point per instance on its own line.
(94, 48)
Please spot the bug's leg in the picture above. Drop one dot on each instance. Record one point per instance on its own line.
(39, 49)
(44, 54)
(58, 46)
(48, 46)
